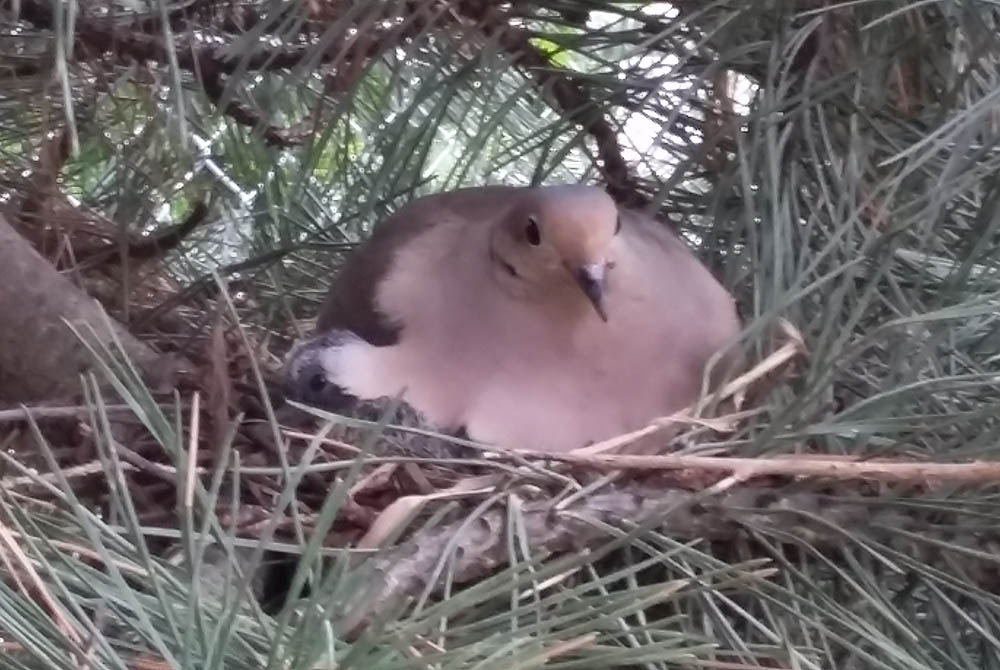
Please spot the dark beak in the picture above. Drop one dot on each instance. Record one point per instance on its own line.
(591, 281)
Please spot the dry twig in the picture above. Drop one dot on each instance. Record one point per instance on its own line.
(794, 465)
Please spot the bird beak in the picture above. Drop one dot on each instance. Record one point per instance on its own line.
(591, 279)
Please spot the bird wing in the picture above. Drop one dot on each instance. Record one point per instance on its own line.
(350, 303)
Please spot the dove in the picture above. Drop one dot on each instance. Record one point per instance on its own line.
(537, 318)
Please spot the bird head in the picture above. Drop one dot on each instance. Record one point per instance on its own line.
(557, 236)
(308, 372)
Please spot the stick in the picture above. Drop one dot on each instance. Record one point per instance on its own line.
(792, 465)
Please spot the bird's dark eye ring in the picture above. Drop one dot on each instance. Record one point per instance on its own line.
(531, 232)
(317, 383)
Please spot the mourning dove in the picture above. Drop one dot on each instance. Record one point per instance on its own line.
(542, 318)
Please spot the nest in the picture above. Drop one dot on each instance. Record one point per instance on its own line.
(442, 511)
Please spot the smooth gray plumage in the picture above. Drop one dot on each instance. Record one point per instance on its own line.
(533, 318)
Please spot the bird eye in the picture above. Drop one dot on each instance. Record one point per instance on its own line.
(531, 232)
(316, 383)
(618, 224)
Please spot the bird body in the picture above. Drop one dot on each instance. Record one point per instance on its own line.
(452, 303)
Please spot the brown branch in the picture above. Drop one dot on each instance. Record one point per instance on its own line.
(94, 38)
(40, 186)
(370, 39)
(570, 97)
(213, 85)
(40, 357)
(177, 16)
(44, 214)
(144, 249)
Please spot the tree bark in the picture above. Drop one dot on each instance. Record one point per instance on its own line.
(40, 355)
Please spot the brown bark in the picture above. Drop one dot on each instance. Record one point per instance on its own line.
(40, 355)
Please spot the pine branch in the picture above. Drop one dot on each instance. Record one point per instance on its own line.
(367, 39)
(569, 96)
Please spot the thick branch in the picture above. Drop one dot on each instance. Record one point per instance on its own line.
(94, 38)
(40, 357)
(371, 38)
